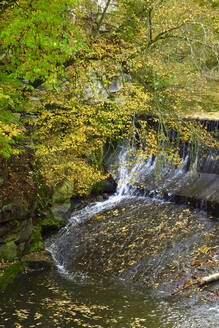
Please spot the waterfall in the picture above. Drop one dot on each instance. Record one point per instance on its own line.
(132, 170)
(136, 179)
(128, 172)
(137, 176)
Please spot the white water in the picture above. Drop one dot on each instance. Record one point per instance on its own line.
(124, 191)
(136, 178)
(132, 170)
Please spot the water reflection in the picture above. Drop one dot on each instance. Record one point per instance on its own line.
(39, 300)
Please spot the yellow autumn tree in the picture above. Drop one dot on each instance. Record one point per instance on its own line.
(138, 58)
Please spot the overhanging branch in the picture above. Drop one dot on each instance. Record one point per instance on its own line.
(102, 17)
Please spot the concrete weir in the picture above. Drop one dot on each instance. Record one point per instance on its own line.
(196, 182)
(201, 188)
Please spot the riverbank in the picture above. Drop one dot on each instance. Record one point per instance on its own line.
(33, 262)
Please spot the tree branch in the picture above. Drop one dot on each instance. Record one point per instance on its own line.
(186, 39)
(102, 17)
(150, 25)
(164, 34)
(200, 282)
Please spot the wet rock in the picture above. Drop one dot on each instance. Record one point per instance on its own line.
(99, 197)
(38, 261)
(61, 212)
(76, 203)
(109, 185)
(38, 265)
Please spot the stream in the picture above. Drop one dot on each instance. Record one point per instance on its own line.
(51, 300)
(118, 261)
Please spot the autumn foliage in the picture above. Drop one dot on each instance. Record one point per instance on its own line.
(76, 74)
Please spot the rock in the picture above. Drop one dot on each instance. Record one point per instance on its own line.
(8, 251)
(109, 186)
(115, 85)
(38, 261)
(25, 230)
(63, 193)
(99, 197)
(76, 203)
(35, 242)
(18, 202)
(61, 212)
(21, 248)
(4, 230)
(9, 274)
(13, 209)
(14, 234)
(1, 181)
(142, 243)
(38, 265)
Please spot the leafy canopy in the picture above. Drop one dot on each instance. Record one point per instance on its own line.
(79, 74)
(36, 38)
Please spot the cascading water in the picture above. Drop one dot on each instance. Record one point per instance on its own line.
(125, 189)
(134, 171)
(126, 255)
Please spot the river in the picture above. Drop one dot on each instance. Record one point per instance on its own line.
(119, 261)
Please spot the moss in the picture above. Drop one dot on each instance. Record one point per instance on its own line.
(16, 223)
(12, 237)
(10, 274)
(50, 224)
(36, 243)
(98, 188)
(1, 181)
(8, 251)
(36, 246)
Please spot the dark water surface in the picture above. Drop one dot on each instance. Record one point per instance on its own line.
(50, 300)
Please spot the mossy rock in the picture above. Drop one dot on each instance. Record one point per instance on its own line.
(8, 251)
(13, 210)
(63, 193)
(50, 224)
(10, 274)
(36, 243)
(1, 181)
(26, 229)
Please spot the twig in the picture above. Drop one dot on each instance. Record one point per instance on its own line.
(200, 282)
